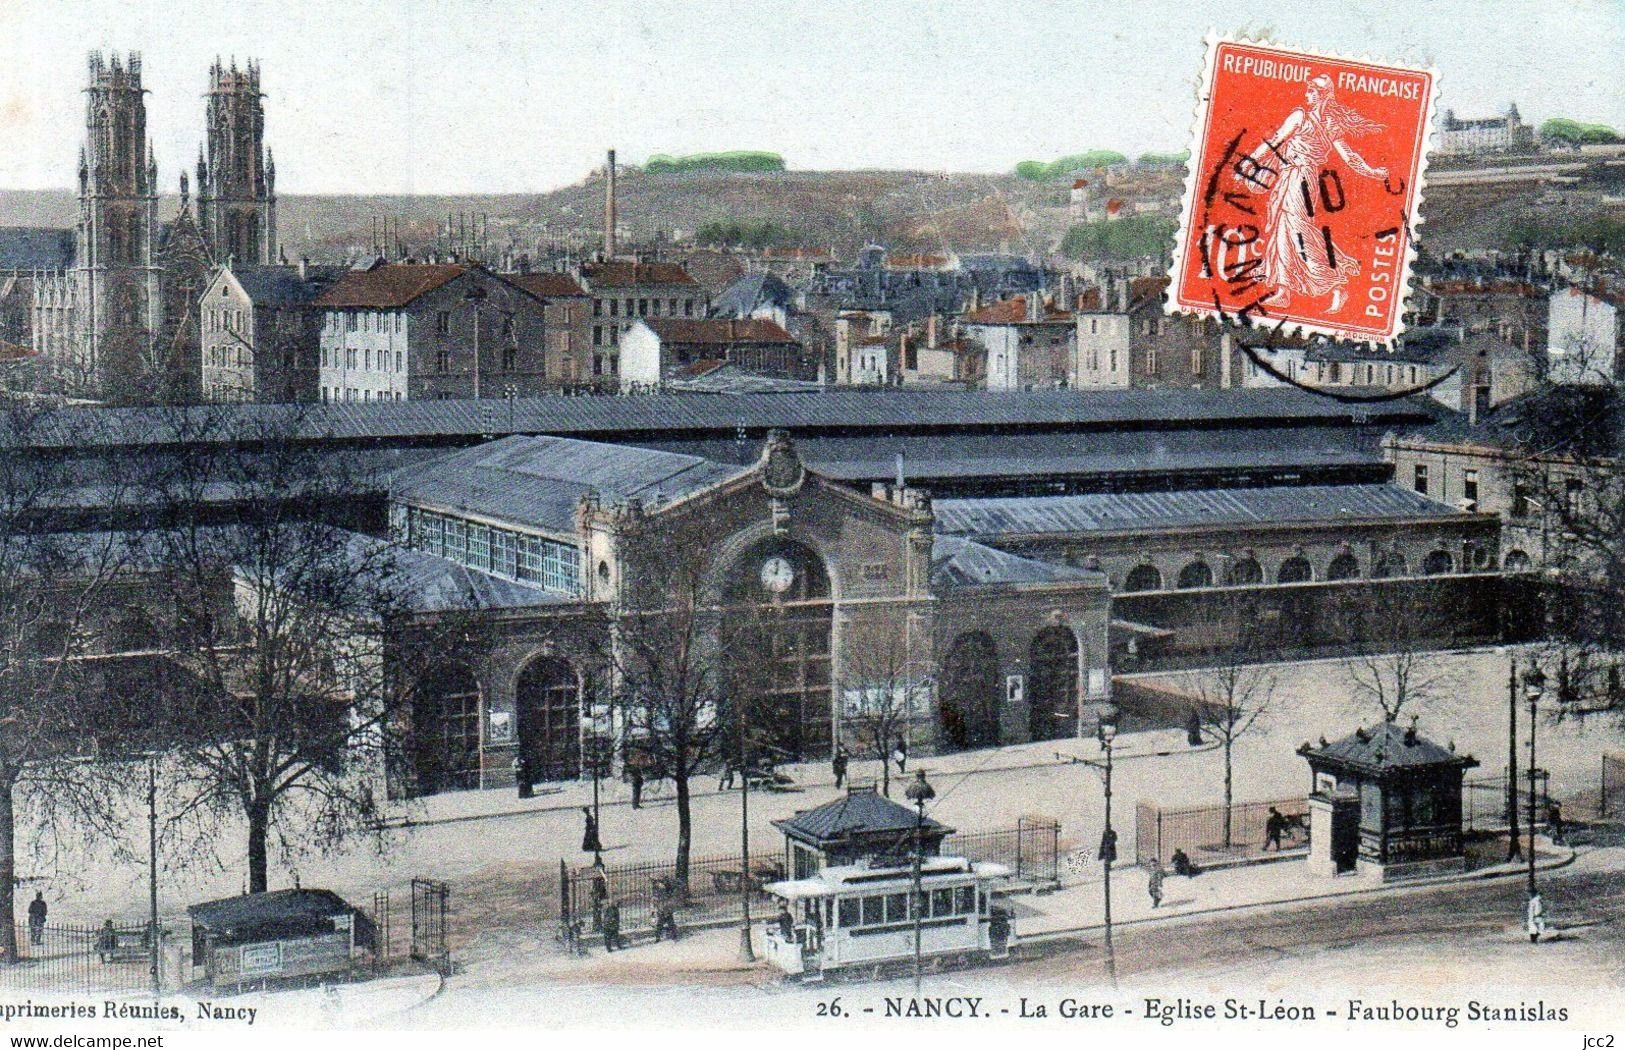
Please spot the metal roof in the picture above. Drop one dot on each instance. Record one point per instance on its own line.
(538, 481)
(677, 414)
(1386, 746)
(959, 562)
(858, 812)
(1142, 511)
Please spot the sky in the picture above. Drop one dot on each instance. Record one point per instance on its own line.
(499, 96)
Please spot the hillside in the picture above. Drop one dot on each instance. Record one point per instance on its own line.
(905, 210)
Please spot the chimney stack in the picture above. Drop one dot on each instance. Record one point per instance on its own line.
(1035, 305)
(304, 267)
(609, 208)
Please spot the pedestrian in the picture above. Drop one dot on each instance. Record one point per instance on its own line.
(787, 925)
(1183, 866)
(36, 918)
(106, 942)
(665, 918)
(521, 776)
(612, 926)
(1154, 884)
(1193, 728)
(1535, 917)
(636, 773)
(1274, 827)
(899, 754)
(600, 894)
(1554, 821)
(838, 765)
(726, 781)
(589, 837)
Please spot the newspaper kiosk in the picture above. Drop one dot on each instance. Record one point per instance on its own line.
(858, 915)
(263, 937)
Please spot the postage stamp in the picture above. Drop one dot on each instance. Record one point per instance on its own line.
(1301, 200)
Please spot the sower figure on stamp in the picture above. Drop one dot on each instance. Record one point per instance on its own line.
(1297, 257)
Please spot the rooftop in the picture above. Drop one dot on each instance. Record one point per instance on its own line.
(717, 331)
(387, 287)
(1139, 511)
(547, 285)
(538, 481)
(859, 811)
(283, 286)
(632, 274)
(1014, 311)
(1386, 746)
(960, 562)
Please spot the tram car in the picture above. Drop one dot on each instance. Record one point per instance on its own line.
(856, 916)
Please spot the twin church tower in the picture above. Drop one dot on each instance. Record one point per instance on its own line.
(131, 295)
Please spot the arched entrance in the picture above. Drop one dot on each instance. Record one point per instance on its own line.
(1143, 578)
(446, 730)
(1052, 684)
(547, 700)
(779, 633)
(969, 692)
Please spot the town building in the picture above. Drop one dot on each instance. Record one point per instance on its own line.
(423, 331)
(568, 320)
(1481, 136)
(1125, 339)
(262, 334)
(623, 292)
(658, 349)
(1029, 343)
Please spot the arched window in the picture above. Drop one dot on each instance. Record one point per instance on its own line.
(1517, 561)
(446, 730)
(1143, 578)
(1295, 570)
(1389, 563)
(1052, 683)
(1438, 563)
(1196, 574)
(547, 700)
(970, 692)
(1244, 571)
(1343, 567)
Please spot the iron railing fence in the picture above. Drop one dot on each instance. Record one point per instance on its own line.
(69, 958)
(1205, 834)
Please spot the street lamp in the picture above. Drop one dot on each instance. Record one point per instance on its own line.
(746, 952)
(1534, 687)
(474, 297)
(920, 792)
(1107, 732)
(1513, 848)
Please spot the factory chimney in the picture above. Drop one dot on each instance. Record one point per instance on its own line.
(609, 208)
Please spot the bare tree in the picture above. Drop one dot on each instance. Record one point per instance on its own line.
(1234, 691)
(1398, 627)
(883, 689)
(671, 654)
(290, 625)
(52, 586)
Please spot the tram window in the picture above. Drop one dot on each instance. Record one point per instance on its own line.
(942, 902)
(967, 899)
(849, 913)
(874, 911)
(897, 907)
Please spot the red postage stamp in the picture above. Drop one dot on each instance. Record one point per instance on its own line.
(1304, 180)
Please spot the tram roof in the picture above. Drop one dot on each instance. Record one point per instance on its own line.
(861, 878)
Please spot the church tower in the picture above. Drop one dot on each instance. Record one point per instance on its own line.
(236, 177)
(118, 210)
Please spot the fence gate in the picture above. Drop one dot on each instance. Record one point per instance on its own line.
(429, 900)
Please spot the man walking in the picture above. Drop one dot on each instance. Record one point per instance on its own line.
(838, 765)
(899, 755)
(1535, 917)
(1154, 884)
(612, 926)
(1274, 828)
(636, 775)
(37, 909)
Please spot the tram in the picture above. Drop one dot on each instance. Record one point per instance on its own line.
(857, 915)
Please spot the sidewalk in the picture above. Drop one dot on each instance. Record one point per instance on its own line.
(457, 806)
(1081, 905)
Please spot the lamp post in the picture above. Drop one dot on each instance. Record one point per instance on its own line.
(920, 792)
(746, 952)
(1108, 838)
(474, 297)
(1534, 686)
(152, 870)
(1513, 849)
